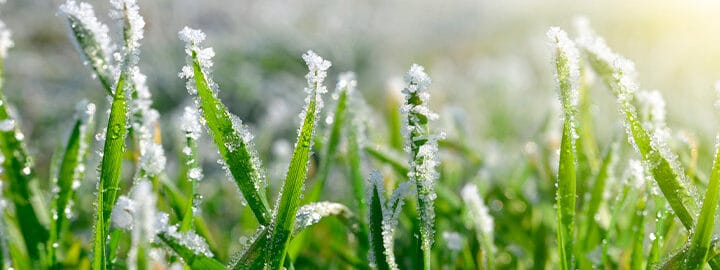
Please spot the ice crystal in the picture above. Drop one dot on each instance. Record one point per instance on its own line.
(478, 212)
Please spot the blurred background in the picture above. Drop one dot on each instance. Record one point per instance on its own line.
(489, 62)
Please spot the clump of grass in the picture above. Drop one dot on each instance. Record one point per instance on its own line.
(147, 217)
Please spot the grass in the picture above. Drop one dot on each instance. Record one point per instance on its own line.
(364, 189)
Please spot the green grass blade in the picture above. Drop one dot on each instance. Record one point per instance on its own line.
(22, 183)
(330, 148)
(597, 195)
(289, 199)
(355, 144)
(638, 234)
(376, 201)
(110, 169)
(71, 172)
(192, 259)
(232, 139)
(193, 173)
(567, 68)
(422, 148)
(16, 245)
(700, 242)
(92, 39)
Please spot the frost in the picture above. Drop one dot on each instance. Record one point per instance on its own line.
(421, 147)
(391, 210)
(92, 37)
(122, 213)
(192, 36)
(128, 13)
(144, 219)
(152, 158)
(318, 68)
(620, 70)
(567, 67)
(453, 240)
(188, 239)
(6, 41)
(195, 174)
(478, 212)
(190, 123)
(651, 109)
(637, 174)
(7, 125)
(312, 213)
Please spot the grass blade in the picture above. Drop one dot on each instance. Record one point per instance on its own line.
(191, 259)
(376, 199)
(567, 68)
(481, 222)
(71, 172)
(92, 39)
(110, 170)
(289, 199)
(20, 176)
(422, 147)
(233, 140)
(700, 242)
(191, 127)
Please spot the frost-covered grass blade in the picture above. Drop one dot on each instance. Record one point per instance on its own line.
(567, 72)
(289, 199)
(70, 174)
(231, 137)
(93, 41)
(422, 147)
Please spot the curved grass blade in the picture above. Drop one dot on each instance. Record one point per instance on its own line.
(91, 37)
(567, 71)
(71, 172)
(232, 139)
(192, 259)
(289, 200)
(110, 170)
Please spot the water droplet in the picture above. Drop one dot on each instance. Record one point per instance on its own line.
(115, 131)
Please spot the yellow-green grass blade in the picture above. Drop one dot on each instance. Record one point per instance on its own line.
(110, 169)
